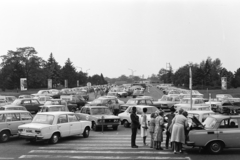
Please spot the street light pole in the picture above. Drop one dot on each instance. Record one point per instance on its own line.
(132, 71)
(87, 71)
(79, 67)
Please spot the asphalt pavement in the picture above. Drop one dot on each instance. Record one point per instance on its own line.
(108, 144)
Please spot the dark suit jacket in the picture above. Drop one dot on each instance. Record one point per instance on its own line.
(135, 120)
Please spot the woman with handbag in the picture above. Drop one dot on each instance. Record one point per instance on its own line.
(144, 127)
(158, 133)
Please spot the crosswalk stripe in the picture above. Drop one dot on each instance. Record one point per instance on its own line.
(104, 141)
(100, 157)
(93, 148)
(98, 145)
(101, 152)
(117, 138)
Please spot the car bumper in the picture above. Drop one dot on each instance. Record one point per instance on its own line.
(189, 143)
(36, 137)
(107, 124)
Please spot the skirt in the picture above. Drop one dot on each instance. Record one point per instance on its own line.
(178, 134)
(144, 132)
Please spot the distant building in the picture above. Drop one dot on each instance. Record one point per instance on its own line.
(120, 82)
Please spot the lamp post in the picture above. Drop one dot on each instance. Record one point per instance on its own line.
(87, 71)
(132, 71)
(79, 67)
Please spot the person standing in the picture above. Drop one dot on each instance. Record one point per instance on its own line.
(170, 117)
(151, 129)
(158, 133)
(178, 131)
(144, 126)
(134, 126)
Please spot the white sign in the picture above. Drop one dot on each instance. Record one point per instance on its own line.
(23, 84)
(89, 84)
(66, 83)
(49, 83)
(224, 83)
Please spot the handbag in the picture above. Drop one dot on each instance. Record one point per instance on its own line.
(145, 127)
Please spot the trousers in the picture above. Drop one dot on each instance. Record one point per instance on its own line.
(133, 137)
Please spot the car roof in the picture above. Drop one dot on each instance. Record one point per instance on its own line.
(54, 113)
(199, 111)
(13, 111)
(10, 105)
(95, 107)
(142, 106)
(50, 105)
(220, 117)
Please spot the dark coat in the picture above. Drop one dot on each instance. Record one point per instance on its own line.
(135, 120)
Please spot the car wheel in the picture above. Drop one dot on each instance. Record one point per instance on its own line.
(94, 126)
(126, 124)
(115, 128)
(55, 138)
(4, 136)
(215, 147)
(86, 132)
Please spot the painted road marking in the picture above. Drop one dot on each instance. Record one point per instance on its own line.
(101, 152)
(96, 145)
(6, 158)
(92, 148)
(102, 157)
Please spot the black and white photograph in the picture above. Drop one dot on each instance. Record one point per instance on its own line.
(120, 79)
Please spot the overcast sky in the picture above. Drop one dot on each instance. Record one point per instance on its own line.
(114, 36)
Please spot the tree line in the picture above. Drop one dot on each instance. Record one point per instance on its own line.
(206, 74)
(25, 63)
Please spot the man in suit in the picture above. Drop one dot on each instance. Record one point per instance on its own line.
(135, 125)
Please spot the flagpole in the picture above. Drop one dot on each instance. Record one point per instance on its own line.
(190, 86)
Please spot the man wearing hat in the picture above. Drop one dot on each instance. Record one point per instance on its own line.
(169, 117)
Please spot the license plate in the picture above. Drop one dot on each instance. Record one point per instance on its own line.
(29, 131)
(109, 125)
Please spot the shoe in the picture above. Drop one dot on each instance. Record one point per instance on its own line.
(180, 151)
(175, 152)
(134, 146)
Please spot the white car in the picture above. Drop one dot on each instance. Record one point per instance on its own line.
(196, 102)
(42, 93)
(54, 125)
(125, 116)
(200, 115)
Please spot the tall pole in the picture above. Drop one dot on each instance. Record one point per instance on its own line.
(132, 72)
(190, 86)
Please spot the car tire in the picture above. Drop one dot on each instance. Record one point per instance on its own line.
(94, 126)
(215, 147)
(55, 138)
(115, 128)
(86, 132)
(126, 124)
(4, 136)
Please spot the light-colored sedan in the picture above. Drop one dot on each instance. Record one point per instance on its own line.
(125, 116)
(54, 125)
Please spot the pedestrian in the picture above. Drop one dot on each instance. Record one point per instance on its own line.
(179, 123)
(169, 117)
(158, 132)
(151, 129)
(144, 127)
(134, 126)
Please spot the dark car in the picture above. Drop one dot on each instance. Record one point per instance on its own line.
(71, 107)
(84, 94)
(32, 105)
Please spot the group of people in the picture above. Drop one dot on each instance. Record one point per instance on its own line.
(176, 129)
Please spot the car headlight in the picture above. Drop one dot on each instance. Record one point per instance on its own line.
(116, 120)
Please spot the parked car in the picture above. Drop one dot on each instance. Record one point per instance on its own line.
(200, 114)
(99, 116)
(216, 133)
(12, 107)
(125, 116)
(168, 101)
(25, 96)
(71, 107)
(139, 101)
(74, 99)
(42, 93)
(54, 108)
(3, 102)
(54, 125)
(32, 105)
(110, 102)
(9, 122)
(84, 94)
(42, 99)
(8, 99)
(186, 103)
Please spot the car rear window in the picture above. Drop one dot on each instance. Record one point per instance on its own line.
(43, 119)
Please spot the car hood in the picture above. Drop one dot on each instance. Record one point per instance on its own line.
(105, 116)
(197, 122)
(34, 125)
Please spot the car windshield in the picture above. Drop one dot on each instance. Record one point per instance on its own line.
(100, 111)
(16, 101)
(16, 108)
(186, 101)
(43, 119)
(150, 110)
(210, 122)
(131, 101)
(52, 103)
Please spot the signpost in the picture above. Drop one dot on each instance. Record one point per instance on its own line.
(190, 86)
(23, 84)
(49, 83)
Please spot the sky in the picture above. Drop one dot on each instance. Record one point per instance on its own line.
(124, 37)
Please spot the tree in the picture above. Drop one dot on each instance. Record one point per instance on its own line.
(68, 72)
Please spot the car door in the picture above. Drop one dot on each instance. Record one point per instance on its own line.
(27, 104)
(75, 125)
(35, 105)
(229, 132)
(3, 124)
(13, 121)
(63, 125)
